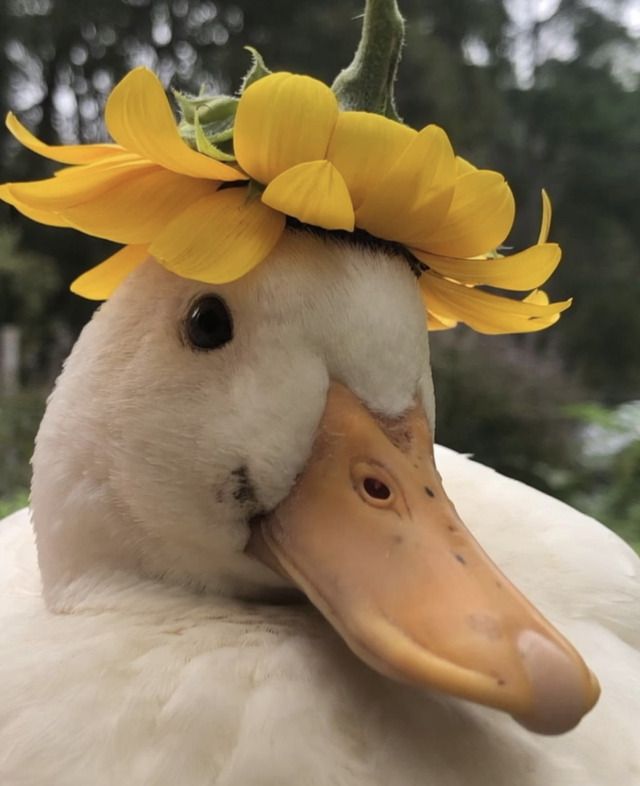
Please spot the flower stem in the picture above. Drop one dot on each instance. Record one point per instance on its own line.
(367, 83)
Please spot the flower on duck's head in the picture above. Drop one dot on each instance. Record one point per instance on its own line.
(212, 216)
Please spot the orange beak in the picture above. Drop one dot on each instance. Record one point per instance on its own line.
(370, 536)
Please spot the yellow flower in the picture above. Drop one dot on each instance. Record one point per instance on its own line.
(297, 155)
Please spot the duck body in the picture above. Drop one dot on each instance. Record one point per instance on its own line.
(142, 645)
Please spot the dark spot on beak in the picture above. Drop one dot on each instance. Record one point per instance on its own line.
(429, 492)
(460, 559)
(243, 490)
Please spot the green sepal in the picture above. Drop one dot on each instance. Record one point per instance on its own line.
(206, 143)
(254, 190)
(187, 104)
(257, 70)
(207, 122)
(210, 109)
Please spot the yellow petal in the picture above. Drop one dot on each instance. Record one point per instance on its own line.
(485, 312)
(545, 224)
(537, 296)
(65, 154)
(283, 120)
(48, 217)
(313, 192)
(463, 167)
(413, 197)
(542, 299)
(139, 118)
(79, 184)
(101, 281)
(363, 148)
(139, 208)
(480, 217)
(438, 322)
(219, 238)
(522, 271)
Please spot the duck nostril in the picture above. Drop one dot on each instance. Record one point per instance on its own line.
(374, 484)
(376, 489)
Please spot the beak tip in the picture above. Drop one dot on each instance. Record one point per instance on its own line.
(594, 685)
(563, 688)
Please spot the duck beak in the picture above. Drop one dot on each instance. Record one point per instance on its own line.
(370, 536)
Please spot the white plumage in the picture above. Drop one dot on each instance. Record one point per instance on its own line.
(148, 670)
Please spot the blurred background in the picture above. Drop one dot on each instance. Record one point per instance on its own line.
(546, 91)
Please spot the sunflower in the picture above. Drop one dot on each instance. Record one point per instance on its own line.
(213, 216)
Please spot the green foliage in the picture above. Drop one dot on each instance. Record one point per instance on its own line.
(29, 283)
(620, 506)
(607, 483)
(18, 499)
(500, 400)
(512, 408)
(27, 280)
(20, 415)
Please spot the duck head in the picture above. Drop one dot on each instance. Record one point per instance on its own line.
(275, 434)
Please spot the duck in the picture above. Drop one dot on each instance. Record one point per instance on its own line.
(241, 566)
(245, 562)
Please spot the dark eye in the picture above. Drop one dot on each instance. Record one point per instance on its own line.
(209, 324)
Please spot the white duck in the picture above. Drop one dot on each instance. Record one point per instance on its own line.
(151, 645)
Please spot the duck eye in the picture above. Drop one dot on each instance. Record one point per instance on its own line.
(209, 324)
